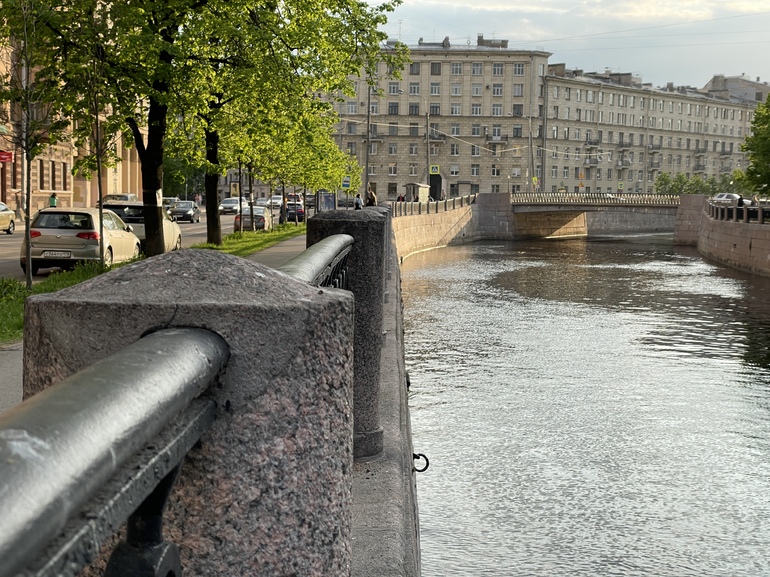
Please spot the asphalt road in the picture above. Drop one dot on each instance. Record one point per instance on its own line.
(10, 244)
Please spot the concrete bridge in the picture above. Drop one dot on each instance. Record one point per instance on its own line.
(300, 459)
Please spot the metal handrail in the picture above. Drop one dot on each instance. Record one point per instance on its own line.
(60, 447)
(323, 264)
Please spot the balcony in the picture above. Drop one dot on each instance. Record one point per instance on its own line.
(624, 145)
(655, 164)
(624, 162)
(593, 142)
(592, 161)
(700, 167)
(496, 137)
(725, 169)
(701, 149)
(655, 146)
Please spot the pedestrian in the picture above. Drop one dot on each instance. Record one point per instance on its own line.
(740, 200)
(53, 202)
(371, 199)
(755, 201)
(358, 203)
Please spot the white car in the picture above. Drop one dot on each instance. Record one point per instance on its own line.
(133, 213)
(725, 197)
(230, 205)
(275, 201)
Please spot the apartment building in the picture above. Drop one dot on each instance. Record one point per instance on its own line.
(501, 119)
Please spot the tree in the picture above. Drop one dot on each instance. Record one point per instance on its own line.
(35, 114)
(757, 145)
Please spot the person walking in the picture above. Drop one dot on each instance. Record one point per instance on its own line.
(358, 203)
(53, 202)
(371, 199)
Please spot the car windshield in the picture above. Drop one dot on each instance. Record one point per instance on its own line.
(230, 201)
(63, 220)
(129, 214)
(183, 204)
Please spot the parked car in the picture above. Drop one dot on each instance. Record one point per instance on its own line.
(7, 216)
(261, 201)
(133, 213)
(295, 211)
(231, 205)
(62, 237)
(725, 197)
(275, 201)
(185, 210)
(263, 219)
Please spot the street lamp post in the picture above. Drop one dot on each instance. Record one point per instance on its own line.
(368, 136)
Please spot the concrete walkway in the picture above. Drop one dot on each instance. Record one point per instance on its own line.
(11, 354)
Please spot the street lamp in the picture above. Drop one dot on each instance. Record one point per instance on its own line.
(368, 137)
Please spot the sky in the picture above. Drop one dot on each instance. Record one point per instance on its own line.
(685, 42)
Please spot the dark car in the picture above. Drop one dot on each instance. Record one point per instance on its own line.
(185, 210)
(295, 211)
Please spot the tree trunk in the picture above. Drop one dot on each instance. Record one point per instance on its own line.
(213, 226)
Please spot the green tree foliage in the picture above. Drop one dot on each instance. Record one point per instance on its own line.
(757, 145)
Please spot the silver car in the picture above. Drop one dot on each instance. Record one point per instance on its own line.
(62, 237)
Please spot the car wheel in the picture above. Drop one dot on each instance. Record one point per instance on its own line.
(11, 228)
(108, 257)
(137, 251)
(178, 244)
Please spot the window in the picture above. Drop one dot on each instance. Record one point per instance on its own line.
(475, 89)
(414, 88)
(497, 110)
(497, 130)
(455, 109)
(518, 69)
(393, 128)
(393, 169)
(475, 129)
(374, 107)
(351, 127)
(497, 69)
(372, 170)
(475, 150)
(414, 109)
(518, 90)
(457, 68)
(497, 90)
(475, 109)
(565, 172)
(394, 88)
(435, 109)
(554, 172)
(373, 148)
(567, 93)
(352, 107)
(414, 129)
(392, 107)
(477, 69)
(435, 88)
(414, 68)
(435, 68)
(495, 170)
(456, 90)
(475, 170)
(518, 110)
(392, 148)
(517, 131)
(413, 149)
(351, 146)
(516, 171)
(412, 169)
(454, 170)
(454, 149)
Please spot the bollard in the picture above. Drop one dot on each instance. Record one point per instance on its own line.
(366, 279)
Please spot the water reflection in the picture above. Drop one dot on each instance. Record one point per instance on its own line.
(589, 408)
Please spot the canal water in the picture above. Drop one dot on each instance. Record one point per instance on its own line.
(589, 408)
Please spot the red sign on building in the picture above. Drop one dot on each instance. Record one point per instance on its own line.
(6, 156)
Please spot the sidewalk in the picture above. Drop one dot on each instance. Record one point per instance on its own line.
(11, 354)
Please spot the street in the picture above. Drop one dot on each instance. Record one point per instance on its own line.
(10, 244)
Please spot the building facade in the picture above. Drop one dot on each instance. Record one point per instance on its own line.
(502, 119)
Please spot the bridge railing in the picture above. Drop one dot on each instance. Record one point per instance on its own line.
(431, 207)
(77, 459)
(595, 198)
(105, 445)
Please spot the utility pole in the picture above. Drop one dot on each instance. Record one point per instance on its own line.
(427, 146)
(366, 140)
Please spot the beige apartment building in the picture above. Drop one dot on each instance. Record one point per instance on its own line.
(502, 119)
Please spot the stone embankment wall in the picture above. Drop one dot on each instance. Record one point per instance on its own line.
(688, 219)
(625, 220)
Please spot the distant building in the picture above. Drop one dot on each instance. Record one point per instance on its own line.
(502, 119)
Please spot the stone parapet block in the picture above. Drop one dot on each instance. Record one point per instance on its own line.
(269, 490)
